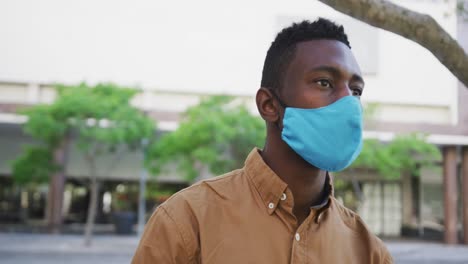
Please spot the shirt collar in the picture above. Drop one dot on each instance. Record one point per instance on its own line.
(270, 186)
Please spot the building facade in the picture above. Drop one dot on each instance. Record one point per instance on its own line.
(176, 56)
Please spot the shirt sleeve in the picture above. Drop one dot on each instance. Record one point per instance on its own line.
(162, 242)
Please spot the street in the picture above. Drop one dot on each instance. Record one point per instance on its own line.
(54, 249)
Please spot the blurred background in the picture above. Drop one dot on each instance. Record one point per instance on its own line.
(109, 107)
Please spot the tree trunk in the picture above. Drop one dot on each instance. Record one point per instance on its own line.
(420, 28)
(93, 201)
(56, 187)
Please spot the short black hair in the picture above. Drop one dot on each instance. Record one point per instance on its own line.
(282, 49)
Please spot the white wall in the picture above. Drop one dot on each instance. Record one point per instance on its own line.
(204, 46)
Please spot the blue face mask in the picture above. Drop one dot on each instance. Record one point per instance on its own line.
(330, 137)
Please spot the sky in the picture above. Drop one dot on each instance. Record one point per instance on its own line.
(203, 46)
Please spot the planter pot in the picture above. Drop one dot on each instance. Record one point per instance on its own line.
(123, 222)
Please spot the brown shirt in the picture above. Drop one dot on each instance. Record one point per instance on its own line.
(245, 216)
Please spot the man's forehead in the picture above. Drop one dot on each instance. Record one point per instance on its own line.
(333, 53)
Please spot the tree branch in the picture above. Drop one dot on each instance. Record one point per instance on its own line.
(420, 28)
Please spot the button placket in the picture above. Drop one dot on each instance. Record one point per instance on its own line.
(283, 197)
(297, 237)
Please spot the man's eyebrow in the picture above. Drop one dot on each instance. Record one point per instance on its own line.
(358, 78)
(335, 71)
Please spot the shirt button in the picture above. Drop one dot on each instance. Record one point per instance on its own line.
(283, 197)
(271, 205)
(298, 237)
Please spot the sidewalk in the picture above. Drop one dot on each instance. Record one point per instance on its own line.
(53, 249)
(18, 248)
(428, 253)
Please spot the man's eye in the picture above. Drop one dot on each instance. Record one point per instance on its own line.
(324, 83)
(357, 92)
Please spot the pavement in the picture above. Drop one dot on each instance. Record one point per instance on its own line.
(22, 248)
(17, 248)
(413, 252)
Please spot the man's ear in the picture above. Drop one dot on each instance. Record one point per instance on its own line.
(267, 106)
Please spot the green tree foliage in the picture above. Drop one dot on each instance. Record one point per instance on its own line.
(218, 133)
(403, 154)
(34, 166)
(103, 115)
(44, 125)
(100, 118)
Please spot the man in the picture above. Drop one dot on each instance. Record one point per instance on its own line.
(280, 207)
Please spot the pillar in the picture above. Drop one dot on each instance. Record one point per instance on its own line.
(450, 194)
(465, 193)
(407, 201)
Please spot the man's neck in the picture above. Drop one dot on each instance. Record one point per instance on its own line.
(305, 181)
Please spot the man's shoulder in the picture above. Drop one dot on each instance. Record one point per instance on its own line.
(357, 225)
(221, 180)
(219, 187)
(345, 213)
(180, 216)
(352, 219)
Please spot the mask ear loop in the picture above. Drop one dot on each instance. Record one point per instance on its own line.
(280, 127)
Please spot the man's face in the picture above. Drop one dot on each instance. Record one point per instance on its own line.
(321, 72)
